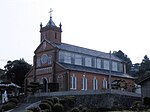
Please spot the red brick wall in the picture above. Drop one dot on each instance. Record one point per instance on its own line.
(90, 77)
(53, 36)
(99, 77)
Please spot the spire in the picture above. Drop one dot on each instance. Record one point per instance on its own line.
(60, 26)
(51, 32)
(50, 23)
(41, 25)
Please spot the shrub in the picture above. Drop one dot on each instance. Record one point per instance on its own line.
(44, 106)
(64, 102)
(49, 102)
(50, 99)
(35, 109)
(56, 100)
(8, 106)
(75, 110)
(84, 109)
(147, 101)
(15, 100)
(70, 101)
(58, 107)
(46, 110)
(28, 111)
(136, 104)
(80, 107)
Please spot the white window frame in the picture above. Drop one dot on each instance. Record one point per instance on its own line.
(95, 83)
(84, 83)
(61, 56)
(94, 62)
(78, 59)
(98, 63)
(114, 66)
(88, 61)
(73, 82)
(104, 83)
(67, 57)
(120, 68)
(106, 64)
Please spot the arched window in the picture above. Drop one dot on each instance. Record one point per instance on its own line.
(104, 84)
(95, 83)
(73, 82)
(84, 83)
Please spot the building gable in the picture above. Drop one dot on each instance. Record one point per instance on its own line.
(60, 67)
(44, 46)
(30, 73)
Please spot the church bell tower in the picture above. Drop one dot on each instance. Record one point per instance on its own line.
(51, 32)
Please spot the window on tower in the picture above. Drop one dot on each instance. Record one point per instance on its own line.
(44, 36)
(55, 35)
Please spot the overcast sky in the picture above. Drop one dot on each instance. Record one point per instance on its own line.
(102, 25)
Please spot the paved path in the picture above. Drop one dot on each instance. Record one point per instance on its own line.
(21, 107)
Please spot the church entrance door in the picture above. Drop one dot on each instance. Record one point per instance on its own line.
(45, 85)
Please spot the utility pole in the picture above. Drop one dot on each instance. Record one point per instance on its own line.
(110, 68)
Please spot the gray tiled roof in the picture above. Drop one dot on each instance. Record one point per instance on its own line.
(86, 51)
(95, 70)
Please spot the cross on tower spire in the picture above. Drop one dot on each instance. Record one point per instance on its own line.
(50, 12)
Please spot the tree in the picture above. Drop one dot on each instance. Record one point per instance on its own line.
(33, 87)
(145, 65)
(125, 58)
(2, 72)
(16, 71)
(144, 69)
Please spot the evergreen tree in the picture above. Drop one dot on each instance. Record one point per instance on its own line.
(145, 65)
(16, 71)
(125, 58)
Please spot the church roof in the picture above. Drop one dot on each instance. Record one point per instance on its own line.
(90, 52)
(94, 70)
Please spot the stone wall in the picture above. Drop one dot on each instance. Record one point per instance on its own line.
(94, 99)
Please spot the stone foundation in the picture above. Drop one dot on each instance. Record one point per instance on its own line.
(94, 99)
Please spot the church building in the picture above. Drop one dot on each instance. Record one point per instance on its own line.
(66, 67)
